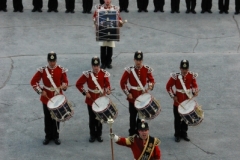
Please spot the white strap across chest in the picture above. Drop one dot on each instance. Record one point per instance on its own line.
(96, 82)
(51, 80)
(137, 79)
(184, 87)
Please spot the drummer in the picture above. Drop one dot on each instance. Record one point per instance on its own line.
(96, 88)
(144, 75)
(58, 78)
(186, 87)
(106, 49)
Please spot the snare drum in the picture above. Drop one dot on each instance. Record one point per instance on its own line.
(60, 109)
(104, 109)
(147, 106)
(192, 113)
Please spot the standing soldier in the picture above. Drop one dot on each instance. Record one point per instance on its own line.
(52, 5)
(70, 6)
(186, 85)
(223, 6)
(137, 76)
(3, 5)
(55, 81)
(94, 78)
(37, 5)
(237, 6)
(142, 5)
(159, 4)
(206, 6)
(124, 5)
(175, 6)
(87, 6)
(191, 4)
(17, 5)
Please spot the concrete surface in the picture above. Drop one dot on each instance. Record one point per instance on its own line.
(210, 41)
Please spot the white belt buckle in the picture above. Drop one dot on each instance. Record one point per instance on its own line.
(139, 88)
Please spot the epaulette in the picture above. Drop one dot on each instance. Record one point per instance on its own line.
(86, 73)
(157, 142)
(107, 74)
(41, 69)
(195, 75)
(64, 70)
(128, 69)
(150, 70)
(130, 139)
(174, 75)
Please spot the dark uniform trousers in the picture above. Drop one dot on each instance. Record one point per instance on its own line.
(17, 5)
(206, 5)
(142, 4)
(101, 1)
(191, 4)
(237, 5)
(3, 4)
(134, 120)
(70, 5)
(52, 4)
(106, 55)
(223, 5)
(51, 125)
(37, 4)
(180, 126)
(123, 4)
(158, 4)
(95, 126)
(175, 5)
(87, 5)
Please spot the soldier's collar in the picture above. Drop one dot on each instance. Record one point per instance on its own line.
(96, 72)
(138, 67)
(52, 67)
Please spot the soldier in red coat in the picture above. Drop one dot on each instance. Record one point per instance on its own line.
(92, 93)
(143, 146)
(185, 79)
(47, 91)
(144, 74)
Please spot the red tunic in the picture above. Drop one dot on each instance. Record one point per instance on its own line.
(105, 7)
(190, 82)
(59, 77)
(103, 80)
(145, 76)
(137, 145)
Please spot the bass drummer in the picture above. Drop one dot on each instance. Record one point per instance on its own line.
(186, 86)
(137, 76)
(98, 85)
(54, 79)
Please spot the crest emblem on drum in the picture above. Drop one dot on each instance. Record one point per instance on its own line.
(52, 57)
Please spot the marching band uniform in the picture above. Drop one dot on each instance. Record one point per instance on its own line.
(158, 4)
(191, 85)
(123, 5)
(59, 77)
(148, 150)
(52, 5)
(70, 6)
(106, 49)
(191, 4)
(37, 5)
(87, 6)
(206, 6)
(175, 6)
(102, 76)
(142, 5)
(3, 5)
(223, 6)
(17, 5)
(145, 76)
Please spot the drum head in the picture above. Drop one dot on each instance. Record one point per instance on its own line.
(142, 100)
(188, 106)
(56, 101)
(100, 104)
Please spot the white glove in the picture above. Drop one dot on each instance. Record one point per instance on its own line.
(114, 137)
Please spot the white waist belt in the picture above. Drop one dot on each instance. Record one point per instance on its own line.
(136, 88)
(94, 91)
(182, 91)
(49, 88)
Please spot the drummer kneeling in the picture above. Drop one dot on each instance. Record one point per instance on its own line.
(143, 146)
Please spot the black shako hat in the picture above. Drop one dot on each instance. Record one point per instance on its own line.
(184, 64)
(143, 125)
(138, 55)
(95, 61)
(52, 56)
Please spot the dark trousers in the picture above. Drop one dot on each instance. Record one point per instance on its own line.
(237, 5)
(180, 126)
(37, 4)
(101, 1)
(191, 4)
(106, 55)
(87, 5)
(206, 5)
(142, 4)
(123, 4)
(134, 120)
(70, 5)
(158, 4)
(3, 4)
(223, 5)
(51, 125)
(17, 5)
(95, 126)
(175, 5)
(52, 4)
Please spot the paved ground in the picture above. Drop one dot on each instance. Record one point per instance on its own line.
(210, 41)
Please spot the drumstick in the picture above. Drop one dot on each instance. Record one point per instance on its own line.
(94, 102)
(49, 99)
(180, 104)
(192, 97)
